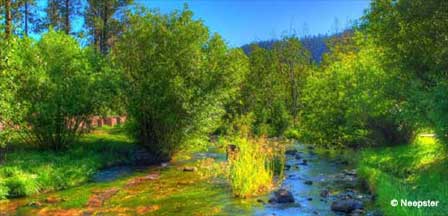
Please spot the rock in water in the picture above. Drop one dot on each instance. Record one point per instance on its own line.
(189, 169)
(291, 152)
(324, 193)
(282, 196)
(346, 206)
(308, 182)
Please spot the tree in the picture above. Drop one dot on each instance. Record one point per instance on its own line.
(294, 63)
(8, 18)
(61, 13)
(26, 16)
(354, 101)
(178, 78)
(102, 22)
(265, 94)
(414, 36)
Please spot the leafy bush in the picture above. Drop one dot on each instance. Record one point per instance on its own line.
(178, 78)
(52, 87)
(18, 183)
(4, 190)
(292, 133)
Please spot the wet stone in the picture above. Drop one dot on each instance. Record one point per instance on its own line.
(291, 151)
(324, 193)
(308, 182)
(35, 204)
(303, 163)
(346, 206)
(282, 196)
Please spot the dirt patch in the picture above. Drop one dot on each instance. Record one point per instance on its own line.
(146, 209)
(99, 197)
(60, 212)
(139, 180)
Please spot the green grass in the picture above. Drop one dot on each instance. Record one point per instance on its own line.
(253, 167)
(27, 171)
(418, 171)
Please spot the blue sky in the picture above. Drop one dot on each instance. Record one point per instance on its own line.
(244, 21)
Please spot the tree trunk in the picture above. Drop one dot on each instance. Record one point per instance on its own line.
(67, 16)
(26, 18)
(103, 40)
(8, 18)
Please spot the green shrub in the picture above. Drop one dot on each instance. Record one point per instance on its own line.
(19, 183)
(52, 86)
(4, 190)
(292, 133)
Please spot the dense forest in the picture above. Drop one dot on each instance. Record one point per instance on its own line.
(377, 93)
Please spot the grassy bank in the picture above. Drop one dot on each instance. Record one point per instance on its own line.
(27, 171)
(418, 171)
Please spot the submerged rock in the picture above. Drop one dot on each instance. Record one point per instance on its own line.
(190, 169)
(308, 182)
(350, 172)
(291, 151)
(324, 193)
(35, 204)
(282, 196)
(346, 206)
(304, 163)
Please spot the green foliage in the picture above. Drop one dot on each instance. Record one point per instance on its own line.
(352, 102)
(272, 89)
(409, 172)
(292, 133)
(19, 183)
(4, 190)
(414, 36)
(253, 166)
(50, 88)
(178, 78)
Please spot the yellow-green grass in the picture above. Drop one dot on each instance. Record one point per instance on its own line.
(253, 167)
(416, 171)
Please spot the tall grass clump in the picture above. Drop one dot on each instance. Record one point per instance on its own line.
(253, 166)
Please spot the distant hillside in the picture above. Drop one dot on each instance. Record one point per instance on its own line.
(315, 44)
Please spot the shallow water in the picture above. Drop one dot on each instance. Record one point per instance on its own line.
(168, 190)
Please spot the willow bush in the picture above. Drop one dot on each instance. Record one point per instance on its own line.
(177, 76)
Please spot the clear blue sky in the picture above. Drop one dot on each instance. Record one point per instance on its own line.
(244, 21)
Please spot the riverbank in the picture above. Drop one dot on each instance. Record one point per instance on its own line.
(315, 183)
(418, 171)
(26, 171)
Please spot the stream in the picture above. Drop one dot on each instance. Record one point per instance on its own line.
(315, 180)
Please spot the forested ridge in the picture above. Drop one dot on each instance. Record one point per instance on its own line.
(372, 90)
